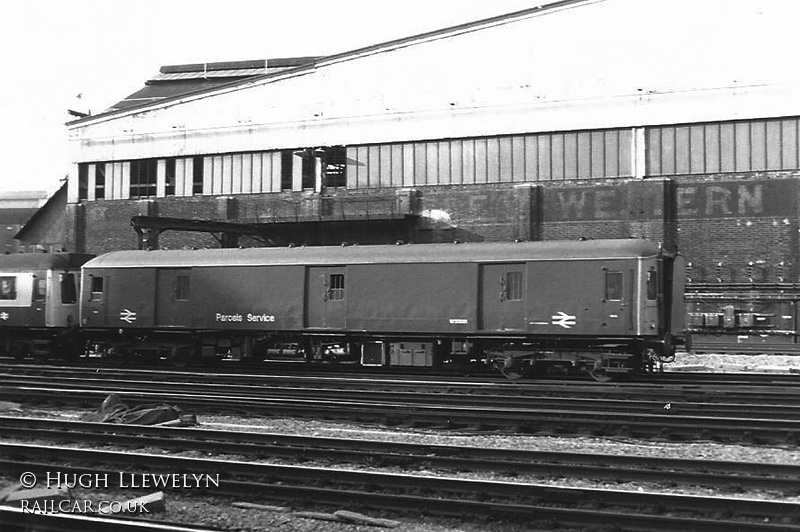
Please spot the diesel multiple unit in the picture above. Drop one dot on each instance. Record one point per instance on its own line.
(610, 307)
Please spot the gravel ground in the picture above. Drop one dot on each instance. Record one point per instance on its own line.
(735, 363)
(218, 512)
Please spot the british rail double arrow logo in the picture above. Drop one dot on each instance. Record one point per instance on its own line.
(127, 315)
(564, 320)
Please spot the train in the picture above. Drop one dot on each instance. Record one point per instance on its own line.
(744, 318)
(609, 308)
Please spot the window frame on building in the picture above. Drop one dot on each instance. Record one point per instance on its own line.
(143, 178)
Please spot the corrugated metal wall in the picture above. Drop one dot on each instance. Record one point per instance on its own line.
(741, 146)
(242, 173)
(720, 147)
(520, 158)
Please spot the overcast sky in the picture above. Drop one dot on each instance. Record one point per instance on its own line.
(51, 51)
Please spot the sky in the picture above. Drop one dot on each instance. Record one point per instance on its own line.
(86, 55)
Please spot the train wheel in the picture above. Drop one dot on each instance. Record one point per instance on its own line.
(512, 374)
(599, 375)
(20, 352)
(513, 369)
(180, 356)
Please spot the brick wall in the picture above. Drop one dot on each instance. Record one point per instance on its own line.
(720, 223)
(725, 223)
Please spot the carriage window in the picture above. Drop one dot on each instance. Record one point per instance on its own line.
(652, 284)
(39, 289)
(513, 286)
(8, 288)
(69, 294)
(336, 290)
(97, 289)
(614, 286)
(182, 288)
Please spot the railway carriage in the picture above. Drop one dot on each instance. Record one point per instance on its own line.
(610, 307)
(39, 303)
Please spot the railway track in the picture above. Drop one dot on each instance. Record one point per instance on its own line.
(454, 405)
(534, 503)
(15, 520)
(767, 389)
(321, 371)
(606, 467)
(760, 403)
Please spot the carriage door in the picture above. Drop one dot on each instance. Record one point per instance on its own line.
(326, 297)
(503, 297)
(172, 299)
(618, 302)
(39, 299)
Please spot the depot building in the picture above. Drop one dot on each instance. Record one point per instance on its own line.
(518, 127)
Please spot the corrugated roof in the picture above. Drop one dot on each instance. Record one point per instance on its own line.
(238, 73)
(425, 253)
(178, 80)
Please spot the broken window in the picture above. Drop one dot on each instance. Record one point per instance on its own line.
(83, 181)
(143, 178)
(287, 163)
(100, 181)
(335, 167)
(197, 176)
(169, 176)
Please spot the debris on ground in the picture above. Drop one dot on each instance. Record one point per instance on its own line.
(7, 406)
(113, 410)
(38, 498)
(262, 507)
(345, 516)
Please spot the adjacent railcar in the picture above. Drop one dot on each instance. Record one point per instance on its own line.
(744, 317)
(606, 306)
(39, 303)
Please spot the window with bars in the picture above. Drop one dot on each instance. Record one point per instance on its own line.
(336, 287)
